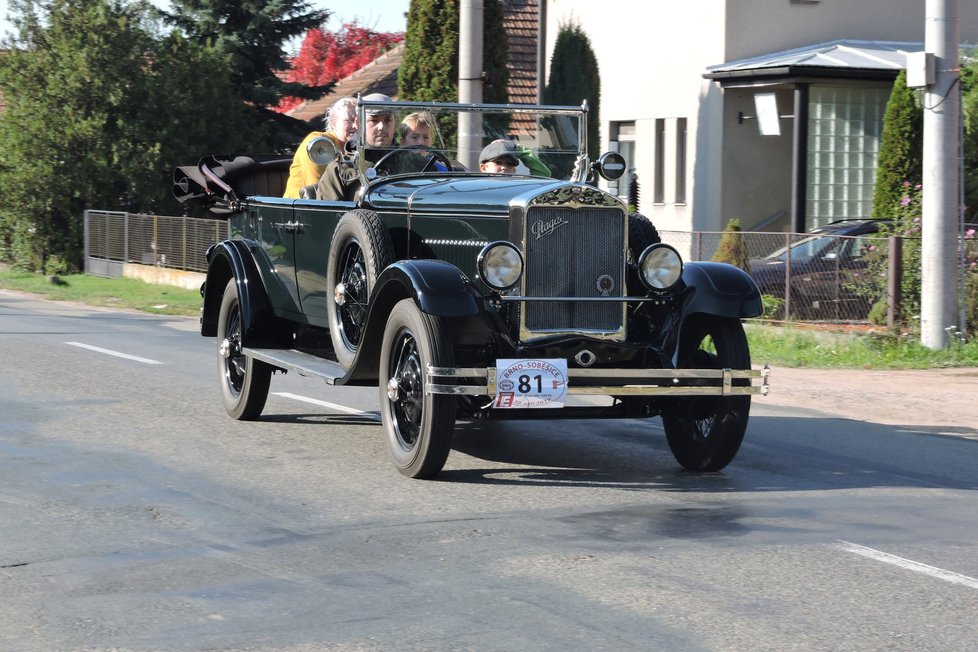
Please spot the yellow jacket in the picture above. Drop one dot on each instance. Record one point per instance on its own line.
(303, 171)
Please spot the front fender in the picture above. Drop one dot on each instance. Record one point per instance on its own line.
(720, 289)
(232, 259)
(439, 289)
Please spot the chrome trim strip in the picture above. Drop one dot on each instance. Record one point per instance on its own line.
(510, 297)
(654, 384)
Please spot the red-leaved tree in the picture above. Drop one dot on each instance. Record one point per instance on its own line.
(326, 57)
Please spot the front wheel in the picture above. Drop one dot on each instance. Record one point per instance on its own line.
(418, 425)
(244, 381)
(705, 432)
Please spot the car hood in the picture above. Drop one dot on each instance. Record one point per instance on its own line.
(481, 194)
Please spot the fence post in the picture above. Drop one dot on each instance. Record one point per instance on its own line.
(787, 277)
(894, 280)
(125, 238)
(183, 222)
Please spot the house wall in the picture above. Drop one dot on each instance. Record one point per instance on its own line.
(652, 56)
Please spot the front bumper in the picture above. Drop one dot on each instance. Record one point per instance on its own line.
(479, 381)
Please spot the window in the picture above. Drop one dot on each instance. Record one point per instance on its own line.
(659, 181)
(844, 124)
(681, 160)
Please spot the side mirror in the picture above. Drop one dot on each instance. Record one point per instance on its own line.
(611, 166)
(321, 150)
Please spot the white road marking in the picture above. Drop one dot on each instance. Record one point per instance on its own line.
(909, 564)
(115, 353)
(331, 406)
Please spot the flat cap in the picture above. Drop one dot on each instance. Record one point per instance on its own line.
(498, 149)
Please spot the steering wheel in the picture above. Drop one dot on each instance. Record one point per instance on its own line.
(408, 159)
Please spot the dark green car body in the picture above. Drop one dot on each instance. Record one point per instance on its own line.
(390, 289)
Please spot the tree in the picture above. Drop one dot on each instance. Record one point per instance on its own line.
(732, 248)
(574, 76)
(429, 72)
(252, 34)
(901, 148)
(326, 57)
(98, 112)
(969, 112)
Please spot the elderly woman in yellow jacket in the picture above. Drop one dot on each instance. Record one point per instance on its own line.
(340, 128)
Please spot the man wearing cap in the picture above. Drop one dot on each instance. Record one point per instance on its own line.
(499, 157)
(502, 156)
(341, 180)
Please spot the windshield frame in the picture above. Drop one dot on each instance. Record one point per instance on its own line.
(365, 168)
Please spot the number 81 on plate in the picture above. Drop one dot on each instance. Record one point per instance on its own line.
(529, 383)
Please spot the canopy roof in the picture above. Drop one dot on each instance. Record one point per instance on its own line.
(835, 59)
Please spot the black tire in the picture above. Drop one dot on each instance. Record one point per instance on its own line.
(360, 250)
(244, 382)
(641, 234)
(705, 432)
(418, 425)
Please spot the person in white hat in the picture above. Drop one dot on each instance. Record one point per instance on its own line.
(340, 182)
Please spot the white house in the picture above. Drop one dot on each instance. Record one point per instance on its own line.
(679, 82)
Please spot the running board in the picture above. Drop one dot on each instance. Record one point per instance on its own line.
(301, 363)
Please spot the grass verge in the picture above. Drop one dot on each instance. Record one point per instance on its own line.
(125, 293)
(772, 345)
(793, 347)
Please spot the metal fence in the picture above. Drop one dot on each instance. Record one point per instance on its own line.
(824, 273)
(113, 239)
(831, 278)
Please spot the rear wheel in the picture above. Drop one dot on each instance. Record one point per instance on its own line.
(705, 432)
(418, 424)
(244, 381)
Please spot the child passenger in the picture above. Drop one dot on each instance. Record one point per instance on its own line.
(416, 129)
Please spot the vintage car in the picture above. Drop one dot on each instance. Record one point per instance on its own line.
(467, 295)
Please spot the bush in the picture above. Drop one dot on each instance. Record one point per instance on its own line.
(732, 248)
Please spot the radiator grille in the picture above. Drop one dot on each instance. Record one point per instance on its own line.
(568, 251)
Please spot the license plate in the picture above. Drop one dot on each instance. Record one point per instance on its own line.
(530, 383)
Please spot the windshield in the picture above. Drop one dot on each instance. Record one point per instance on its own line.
(400, 138)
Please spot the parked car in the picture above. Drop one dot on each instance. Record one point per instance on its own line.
(821, 270)
(465, 295)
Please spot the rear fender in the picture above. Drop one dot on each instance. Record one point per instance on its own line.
(232, 259)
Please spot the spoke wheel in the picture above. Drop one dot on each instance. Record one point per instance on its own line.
(705, 432)
(418, 425)
(361, 248)
(244, 382)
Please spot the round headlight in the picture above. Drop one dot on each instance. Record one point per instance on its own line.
(661, 267)
(500, 265)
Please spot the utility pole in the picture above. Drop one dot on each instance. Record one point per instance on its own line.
(939, 223)
(470, 81)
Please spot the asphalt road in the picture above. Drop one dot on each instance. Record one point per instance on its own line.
(135, 515)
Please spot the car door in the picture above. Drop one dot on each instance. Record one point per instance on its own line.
(314, 222)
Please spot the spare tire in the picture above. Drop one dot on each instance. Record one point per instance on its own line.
(360, 250)
(641, 234)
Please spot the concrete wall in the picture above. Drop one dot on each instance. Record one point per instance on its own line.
(164, 276)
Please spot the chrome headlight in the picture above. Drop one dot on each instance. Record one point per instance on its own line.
(661, 267)
(500, 265)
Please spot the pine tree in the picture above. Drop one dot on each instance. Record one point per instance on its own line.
(429, 72)
(253, 35)
(574, 77)
(901, 148)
